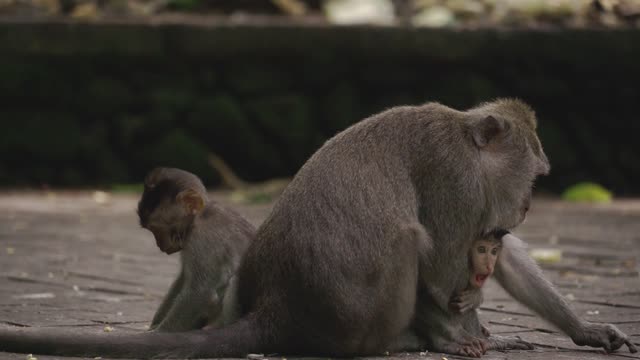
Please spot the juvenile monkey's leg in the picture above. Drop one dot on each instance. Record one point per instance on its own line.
(519, 274)
(168, 300)
(227, 310)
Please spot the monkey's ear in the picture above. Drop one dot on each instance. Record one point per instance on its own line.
(191, 200)
(487, 129)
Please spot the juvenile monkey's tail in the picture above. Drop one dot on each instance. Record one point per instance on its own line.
(235, 340)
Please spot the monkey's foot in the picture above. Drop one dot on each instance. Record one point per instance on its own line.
(507, 343)
(603, 335)
(471, 347)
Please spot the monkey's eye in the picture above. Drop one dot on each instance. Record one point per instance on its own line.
(494, 251)
(481, 249)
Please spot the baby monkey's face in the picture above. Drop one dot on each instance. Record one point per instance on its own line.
(169, 222)
(482, 260)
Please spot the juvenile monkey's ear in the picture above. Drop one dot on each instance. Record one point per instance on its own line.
(191, 200)
(487, 129)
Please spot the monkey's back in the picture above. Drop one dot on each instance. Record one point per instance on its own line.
(327, 261)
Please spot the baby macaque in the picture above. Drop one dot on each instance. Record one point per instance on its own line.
(483, 256)
(482, 260)
(211, 240)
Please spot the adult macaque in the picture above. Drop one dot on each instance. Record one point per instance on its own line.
(211, 240)
(379, 216)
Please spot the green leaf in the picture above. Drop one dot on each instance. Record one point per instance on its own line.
(587, 192)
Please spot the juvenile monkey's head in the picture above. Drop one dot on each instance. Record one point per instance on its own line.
(511, 157)
(171, 200)
(482, 259)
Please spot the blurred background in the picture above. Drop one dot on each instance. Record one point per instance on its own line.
(94, 93)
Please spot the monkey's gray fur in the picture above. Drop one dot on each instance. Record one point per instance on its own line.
(379, 217)
(211, 240)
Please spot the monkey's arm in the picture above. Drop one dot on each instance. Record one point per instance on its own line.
(519, 274)
(189, 309)
(199, 301)
(466, 300)
(168, 300)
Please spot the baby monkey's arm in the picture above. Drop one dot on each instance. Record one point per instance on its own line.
(465, 300)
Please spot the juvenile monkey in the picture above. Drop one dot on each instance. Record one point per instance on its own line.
(211, 240)
(378, 217)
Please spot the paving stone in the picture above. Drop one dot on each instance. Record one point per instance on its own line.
(72, 264)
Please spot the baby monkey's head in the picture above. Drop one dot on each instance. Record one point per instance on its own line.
(482, 258)
(170, 201)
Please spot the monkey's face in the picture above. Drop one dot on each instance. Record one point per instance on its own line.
(513, 159)
(482, 261)
(167, 240)
(170, 226)
(170, 202)
(530, 162)
(167, 219)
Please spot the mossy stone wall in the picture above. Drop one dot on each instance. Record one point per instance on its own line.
(98, 104)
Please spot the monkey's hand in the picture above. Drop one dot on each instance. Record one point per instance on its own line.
(603, 335)
(464, 301)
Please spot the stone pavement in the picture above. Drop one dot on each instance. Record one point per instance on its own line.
(78, 261)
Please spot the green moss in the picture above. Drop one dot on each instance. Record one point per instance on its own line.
(177, 149)
(587, 192)
(341, 108)
(127, 188)
(221, 124)
(252, 79)
(554, 141)
(42, 146)
(174, 99)
(286, 118)
(183, 5)
(109, 94)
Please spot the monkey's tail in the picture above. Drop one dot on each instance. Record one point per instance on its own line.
(235, 340)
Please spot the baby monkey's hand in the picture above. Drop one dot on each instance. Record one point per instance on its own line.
(464, 301)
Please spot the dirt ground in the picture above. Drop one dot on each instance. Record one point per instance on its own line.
(80, 262)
